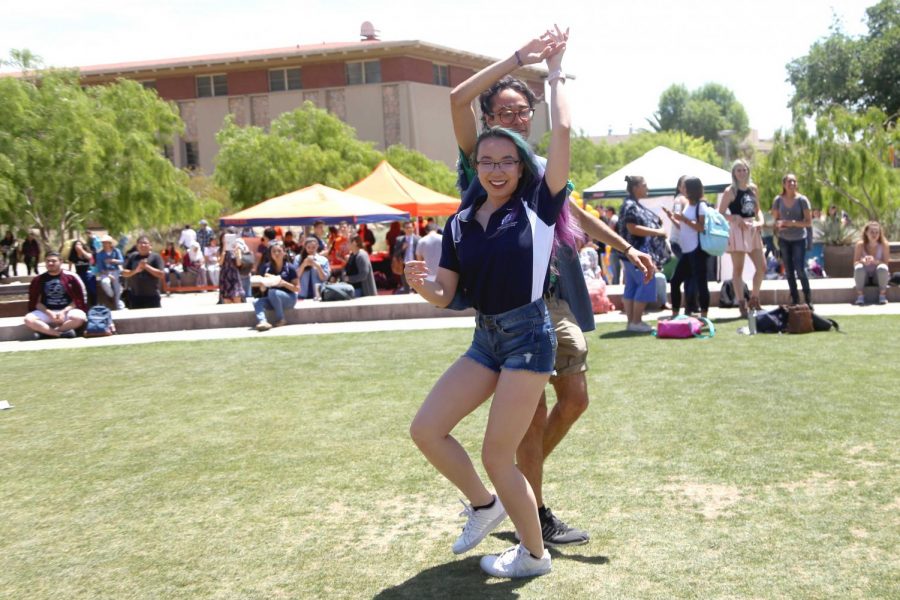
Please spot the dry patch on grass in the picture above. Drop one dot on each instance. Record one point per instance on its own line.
(712, 500)
(861, 448)
(386, 521)
(815, 485)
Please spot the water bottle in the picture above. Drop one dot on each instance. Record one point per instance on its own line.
(751, 321)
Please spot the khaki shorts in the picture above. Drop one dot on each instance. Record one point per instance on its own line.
(571, 350)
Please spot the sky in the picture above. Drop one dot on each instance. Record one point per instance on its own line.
(623, 54)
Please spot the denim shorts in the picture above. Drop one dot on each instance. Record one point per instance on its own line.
(519, 339)
(635, 288)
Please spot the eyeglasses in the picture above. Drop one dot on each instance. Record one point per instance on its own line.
(507, 164)
(508, 117)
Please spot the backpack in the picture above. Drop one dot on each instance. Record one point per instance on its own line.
(714, 237)
(247, 262)
(777, 321)
(799, 319)
(600, 303)
(727, 298)
(99, 322)
(333, 292)
(683, 327)
(772, 321)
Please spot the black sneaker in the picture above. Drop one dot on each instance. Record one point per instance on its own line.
(557, 533)
(69, 333)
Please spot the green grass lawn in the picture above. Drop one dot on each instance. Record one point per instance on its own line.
(738, 467)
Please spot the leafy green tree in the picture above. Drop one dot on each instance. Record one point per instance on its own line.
(431, 173)
(855, 73)
(305, 146)
(848, 162)
(702, 113)
(69, 156)
(213, 201)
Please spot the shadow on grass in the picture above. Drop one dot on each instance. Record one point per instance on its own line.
(557, 553)
(622, 333)
(465, 579)
(460, 579)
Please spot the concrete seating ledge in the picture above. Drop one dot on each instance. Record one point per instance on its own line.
(199, 311)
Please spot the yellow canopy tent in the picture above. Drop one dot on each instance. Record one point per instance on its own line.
(388, 186)
(313, 203)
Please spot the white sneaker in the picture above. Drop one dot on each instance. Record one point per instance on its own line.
(480, 523)
(639, 328)
(860, 300)
(516, 562)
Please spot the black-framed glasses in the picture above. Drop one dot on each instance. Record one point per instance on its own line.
(507, 164)
(508, 117)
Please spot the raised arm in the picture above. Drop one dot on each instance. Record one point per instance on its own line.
(557, 172)
(599, 230)
(465, 124)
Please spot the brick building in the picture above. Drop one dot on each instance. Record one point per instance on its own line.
(390, 91)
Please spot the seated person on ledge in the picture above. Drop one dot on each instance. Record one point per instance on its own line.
(57, 301)
(870, 262)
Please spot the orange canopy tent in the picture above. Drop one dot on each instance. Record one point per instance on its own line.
(388, 186)
(313, 203)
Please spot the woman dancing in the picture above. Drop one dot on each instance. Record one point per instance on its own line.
(497, 251)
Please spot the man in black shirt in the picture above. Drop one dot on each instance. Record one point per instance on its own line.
(144, 271)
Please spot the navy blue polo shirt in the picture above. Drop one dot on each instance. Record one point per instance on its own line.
(506, 265)
(288, 271)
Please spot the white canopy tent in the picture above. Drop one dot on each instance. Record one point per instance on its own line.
(661, 168)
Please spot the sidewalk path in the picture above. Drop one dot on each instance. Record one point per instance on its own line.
(729, 314)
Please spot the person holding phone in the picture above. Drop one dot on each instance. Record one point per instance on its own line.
(313, 268)
(231, 258)
(144, 271)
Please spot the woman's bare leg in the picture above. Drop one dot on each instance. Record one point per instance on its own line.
(511, 413)
(759, 264)
(460, 390)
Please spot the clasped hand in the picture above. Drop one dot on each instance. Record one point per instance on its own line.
(416, 272)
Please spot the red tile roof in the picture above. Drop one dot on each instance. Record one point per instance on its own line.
(298, 51)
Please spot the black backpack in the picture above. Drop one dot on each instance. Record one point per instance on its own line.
(727, 298)
(776, 321)
(99, 322)
(334, 292)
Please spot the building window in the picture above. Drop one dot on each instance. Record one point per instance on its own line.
(191, 155)
(285, 79)
(368, 71)
(149, 84)
(212, 85)
(441, 75)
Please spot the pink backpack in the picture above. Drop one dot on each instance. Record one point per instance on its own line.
(600, 303)
(683, 327)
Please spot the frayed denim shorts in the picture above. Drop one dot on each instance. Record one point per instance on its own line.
(521, 339)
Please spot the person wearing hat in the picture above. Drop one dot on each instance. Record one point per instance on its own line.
(109, 269)
(204, 234)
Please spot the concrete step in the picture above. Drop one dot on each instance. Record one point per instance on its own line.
(199, 311)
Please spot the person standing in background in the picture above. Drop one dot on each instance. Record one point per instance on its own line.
(793, 216)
